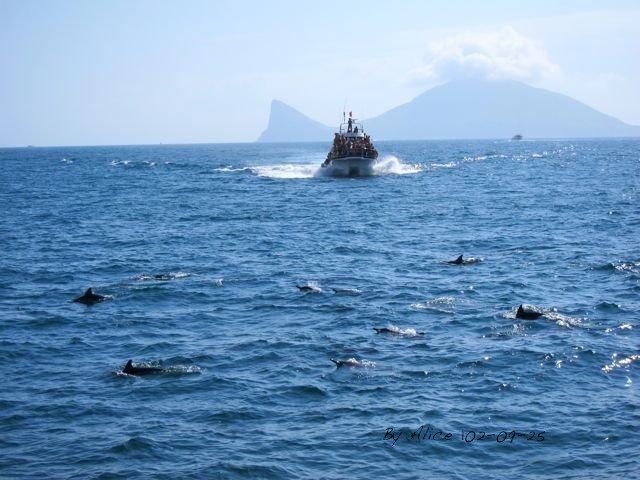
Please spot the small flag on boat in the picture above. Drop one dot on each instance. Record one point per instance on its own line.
(349, 114)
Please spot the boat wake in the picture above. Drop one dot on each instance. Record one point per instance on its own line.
(389, 165)
(292, 170)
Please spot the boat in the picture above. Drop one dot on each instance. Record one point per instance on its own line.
(352, 153)
(516, 137)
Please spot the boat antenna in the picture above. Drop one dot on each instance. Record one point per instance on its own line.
(344, 110)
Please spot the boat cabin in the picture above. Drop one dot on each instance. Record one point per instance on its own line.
(352, 129)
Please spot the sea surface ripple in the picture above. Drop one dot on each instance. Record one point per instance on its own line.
(200, 250)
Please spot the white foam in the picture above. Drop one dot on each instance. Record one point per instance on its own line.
(162, 276)
(230, 169)
(313, 286)
(564, 320)
(624, 363)
(388, 165)
(435, 304)
(183, 369)
(409, 332)
(444, 165)
(289, 170)
(443, 300)
(391, 165)
(352, 362)
(347, 291)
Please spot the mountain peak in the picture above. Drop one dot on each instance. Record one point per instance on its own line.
(471, 108)
(286, 124)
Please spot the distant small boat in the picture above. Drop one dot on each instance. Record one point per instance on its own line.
(516, 137)
(352, 153)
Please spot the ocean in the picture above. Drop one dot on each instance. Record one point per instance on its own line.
(200, 250)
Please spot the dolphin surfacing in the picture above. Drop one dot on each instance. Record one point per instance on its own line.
(349, 363)
(397, 331)
(89, 298)
(463, 261)
(352, 362)
(527, 314)
(129, 369)
(309, 288)
(346, 291)
(457, 261)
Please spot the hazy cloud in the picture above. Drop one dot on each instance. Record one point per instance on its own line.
(498, 54)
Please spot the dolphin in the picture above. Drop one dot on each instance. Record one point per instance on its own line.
(527, 314)
(89, 298)
(462, 261)
(457, 261)
(349, 363)
(163, 277)
(394, 332)
(309, 288)
(346, 291)
(129, 369)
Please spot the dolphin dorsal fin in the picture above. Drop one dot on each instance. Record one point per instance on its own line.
(89, 291)
(459, 259)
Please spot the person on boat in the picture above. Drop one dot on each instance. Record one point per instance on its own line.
(356, 130)
(350, 124)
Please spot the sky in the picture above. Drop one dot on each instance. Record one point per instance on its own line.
(146, 72)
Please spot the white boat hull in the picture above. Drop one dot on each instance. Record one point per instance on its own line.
(350, 167)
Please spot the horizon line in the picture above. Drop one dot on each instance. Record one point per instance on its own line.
(456, 139)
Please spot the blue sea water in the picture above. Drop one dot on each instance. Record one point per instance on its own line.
(200, 249)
